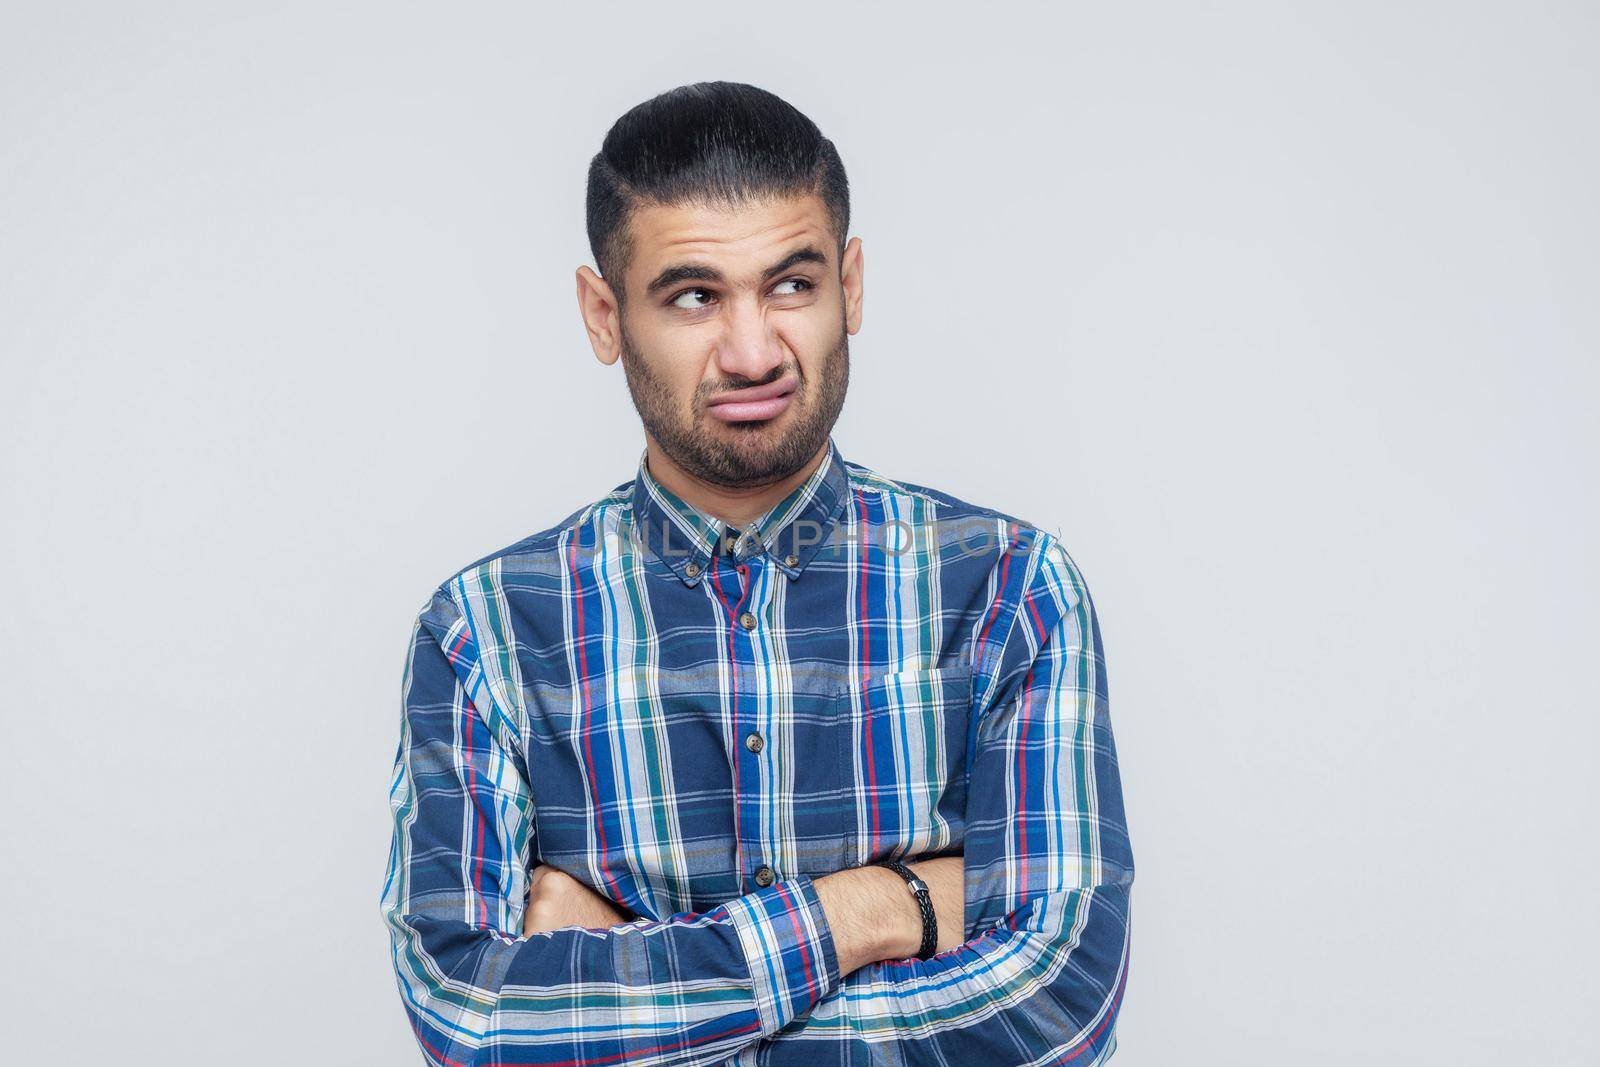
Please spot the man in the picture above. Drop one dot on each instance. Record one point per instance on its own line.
(762, 757)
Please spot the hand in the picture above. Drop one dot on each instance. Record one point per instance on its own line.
(947, 885)
(556, 899)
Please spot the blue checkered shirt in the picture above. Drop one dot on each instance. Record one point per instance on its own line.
(696, 721)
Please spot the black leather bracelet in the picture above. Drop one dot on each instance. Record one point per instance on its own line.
(919, 889)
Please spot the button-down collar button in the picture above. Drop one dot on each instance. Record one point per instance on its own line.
(791, 560)
(692, 570)
(748, 621)
(753, 742)
(744, 540)
(764, 876)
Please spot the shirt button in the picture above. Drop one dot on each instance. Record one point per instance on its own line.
(692, 570)
(753, 742)
(764, 876)
(790, 560)
(748, 621)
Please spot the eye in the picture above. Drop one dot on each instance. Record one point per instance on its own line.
(677, 301)
(791, 281)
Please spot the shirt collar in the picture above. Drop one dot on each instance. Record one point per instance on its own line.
(790, 533)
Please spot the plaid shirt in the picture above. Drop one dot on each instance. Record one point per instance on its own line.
(697, 722)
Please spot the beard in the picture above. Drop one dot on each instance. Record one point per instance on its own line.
(746, 454)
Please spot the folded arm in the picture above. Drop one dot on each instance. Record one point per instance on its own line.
(692, 989)
(1048, 874)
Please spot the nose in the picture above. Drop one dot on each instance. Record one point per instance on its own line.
(750, 347)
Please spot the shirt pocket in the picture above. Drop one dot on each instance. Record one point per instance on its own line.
(904, 753)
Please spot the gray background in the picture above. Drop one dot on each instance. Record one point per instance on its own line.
(1284, 317)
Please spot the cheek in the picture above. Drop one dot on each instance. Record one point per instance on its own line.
(676, 365)
(812, 335)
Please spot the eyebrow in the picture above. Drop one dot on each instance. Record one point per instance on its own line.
(699, 272)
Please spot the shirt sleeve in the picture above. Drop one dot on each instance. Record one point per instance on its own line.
(1049, 866)
(695, 988)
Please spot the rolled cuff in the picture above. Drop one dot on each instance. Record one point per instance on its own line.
(789, 948)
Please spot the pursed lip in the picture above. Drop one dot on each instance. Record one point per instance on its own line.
(756, 392)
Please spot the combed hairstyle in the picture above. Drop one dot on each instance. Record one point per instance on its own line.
(714, 143)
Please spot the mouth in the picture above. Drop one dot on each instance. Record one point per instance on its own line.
(754, 404)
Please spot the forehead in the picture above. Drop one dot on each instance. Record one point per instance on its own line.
(740, 240)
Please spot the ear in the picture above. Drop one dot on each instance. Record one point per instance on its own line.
(852, 277)
(598, 306)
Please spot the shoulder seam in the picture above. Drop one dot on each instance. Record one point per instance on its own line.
(867, 478)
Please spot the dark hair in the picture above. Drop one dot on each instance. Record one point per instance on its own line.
(715, 143)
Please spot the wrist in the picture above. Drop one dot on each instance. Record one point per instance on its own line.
(908, 930)
(914, 935)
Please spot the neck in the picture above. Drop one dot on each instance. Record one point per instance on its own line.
(739, 505)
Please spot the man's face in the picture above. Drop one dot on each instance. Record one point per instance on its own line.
(723, 304)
